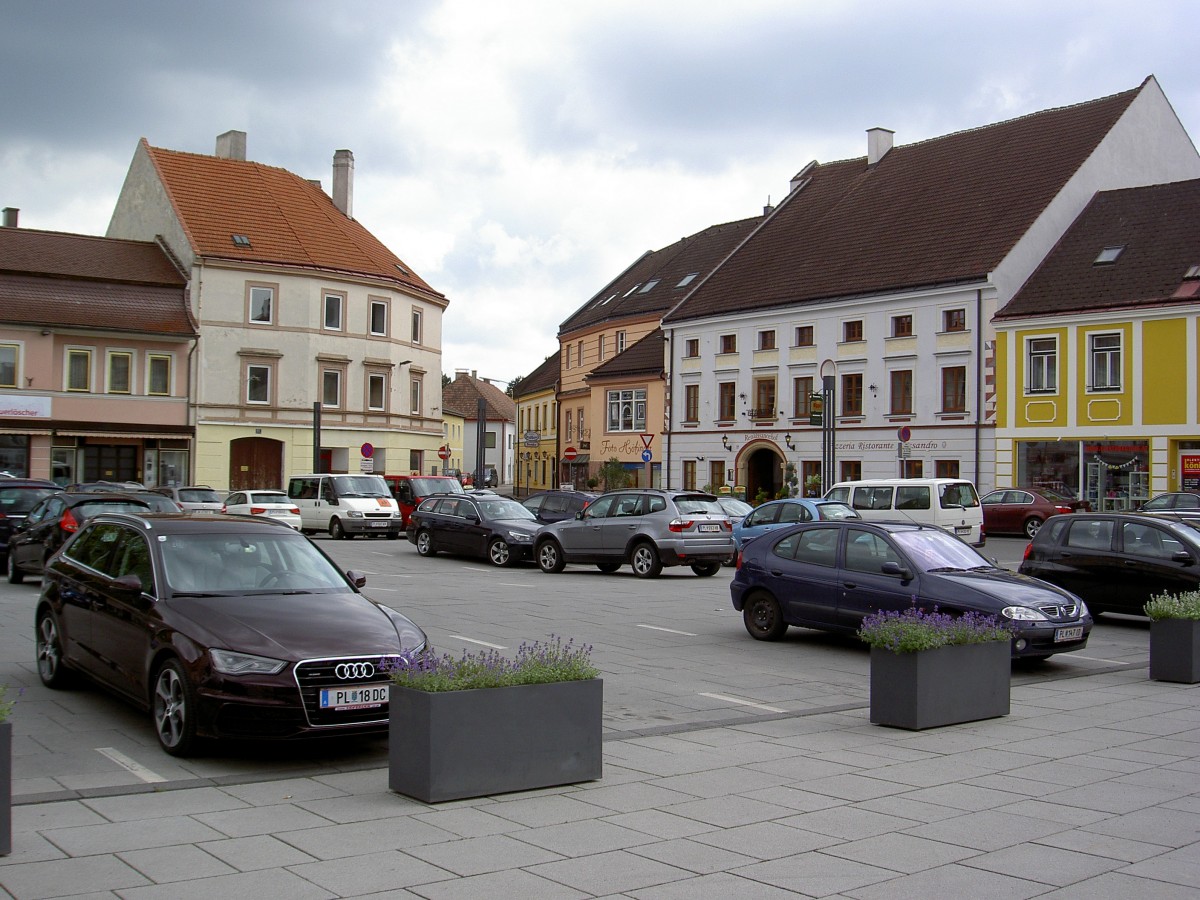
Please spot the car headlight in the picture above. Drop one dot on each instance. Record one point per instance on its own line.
(227, 662)
(1083, 610)
(519, 537)
(354, 513)
(1023, 614)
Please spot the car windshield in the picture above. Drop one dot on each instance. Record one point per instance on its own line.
(198, 495)
(206, 563)
(504, 509)
(833, 511)
(930, 549)
(423, 487)
(699, 503)
(360, 486)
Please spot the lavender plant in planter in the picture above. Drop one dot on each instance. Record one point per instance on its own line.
(930, 669)
(485, 724)
(1175, 637)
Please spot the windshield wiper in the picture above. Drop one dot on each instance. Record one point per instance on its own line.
(946, 569)
(195, 594)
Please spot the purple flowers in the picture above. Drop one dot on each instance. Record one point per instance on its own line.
(914, 629)
(536, 663)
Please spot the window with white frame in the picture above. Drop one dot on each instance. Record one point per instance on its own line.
(627, 409)
(691, 348)
(570, 429)
(802, 391)
(600, 345)
(379, 317)
(620, 341)
(804, 335)
(1104, 351)
(414, 395)
(334, 304)
(119, 376)
(376, 391)
(728, 343)
(954, 389)
(331, 388)
(258, 383)
(158, 374)
(79, 370)
(1042, 365)
(416, 326)
(766, 340)
(10, 358)
(691, 403)
(260, 304)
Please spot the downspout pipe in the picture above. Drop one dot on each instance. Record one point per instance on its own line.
(979, 375)
(666, 479)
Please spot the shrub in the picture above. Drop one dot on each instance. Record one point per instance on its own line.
(914, 629)
(536, 663)
(6, 705)
(1185, 605)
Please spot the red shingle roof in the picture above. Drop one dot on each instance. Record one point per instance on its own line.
(644, 357)
(287, 219)
(1159, 229)
(937, 212)
(463, 395)
(543, 378)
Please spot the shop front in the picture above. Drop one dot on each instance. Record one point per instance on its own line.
(1110, 475)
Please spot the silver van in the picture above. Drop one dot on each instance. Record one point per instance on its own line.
(949, 503)
(345, 505)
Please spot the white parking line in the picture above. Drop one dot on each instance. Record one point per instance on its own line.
(668, 630)
(128, 764)
(1110, 662)
(741, 702)
(480, 643)
(513, 584)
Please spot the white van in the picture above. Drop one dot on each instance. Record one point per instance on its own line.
(345, 505)
(949, 503)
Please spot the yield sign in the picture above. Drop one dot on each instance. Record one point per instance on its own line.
(647, 439)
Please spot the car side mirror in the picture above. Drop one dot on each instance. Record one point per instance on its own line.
(358, 579)
(891, 567)
(128, 584)
(472, 518)
(1182, 556)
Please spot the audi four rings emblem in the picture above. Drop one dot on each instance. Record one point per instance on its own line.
(346, 671)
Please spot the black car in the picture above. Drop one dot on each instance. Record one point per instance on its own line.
(479, 523)
(55, 518)
(17, 497)
(554, 506)
(1117, 561)
(830, 575)
(220, 627)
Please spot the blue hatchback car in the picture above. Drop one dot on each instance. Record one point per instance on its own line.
(781, 513)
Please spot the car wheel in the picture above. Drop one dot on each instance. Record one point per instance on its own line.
(500, 553)
(49, 653)
(706, 570)
(764, 618)
(550, 557)
(15, 575)
(336, 531)
(1032, 526)
(425, 543)
(645, 561)
(174, 709)
(608, 568)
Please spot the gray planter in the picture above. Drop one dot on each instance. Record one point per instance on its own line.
(945, 686)
(5, 788)
(1175, 650)
(450, 745)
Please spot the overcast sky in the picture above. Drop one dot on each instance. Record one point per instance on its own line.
(520, 153)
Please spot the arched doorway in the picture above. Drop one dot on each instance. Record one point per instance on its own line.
(255, 462)
(763, 463)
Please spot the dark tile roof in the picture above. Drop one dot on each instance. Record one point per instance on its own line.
(699, 253)
(543, 378)
(644, 357)
(1159, 227)
(941, 211)
(56, 279)
(288, 219)
(464, 392)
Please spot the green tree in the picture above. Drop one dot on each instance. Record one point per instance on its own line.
(612, 473)
(513, 385)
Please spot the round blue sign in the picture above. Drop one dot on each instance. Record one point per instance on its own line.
(647, 456)
(366, 450)
(904, 433)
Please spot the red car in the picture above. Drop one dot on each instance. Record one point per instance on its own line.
(1022, 510)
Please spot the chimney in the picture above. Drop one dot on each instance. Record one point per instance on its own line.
(232, 145)
(879, 142)
(10, 216)
(343, 182)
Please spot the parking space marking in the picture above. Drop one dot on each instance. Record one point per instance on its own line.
(129, 765)
(741, 702)
(480, 643)
(668, 630)
(1108, 662)
(513, 584)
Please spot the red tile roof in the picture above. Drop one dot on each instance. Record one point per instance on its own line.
(288, 219)
(696, 255)
(56, 279)
(644, 357)
(543, 378)
(1159, 228)
(463, 395)
(941, 211)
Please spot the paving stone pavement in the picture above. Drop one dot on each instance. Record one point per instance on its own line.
(1088, 789)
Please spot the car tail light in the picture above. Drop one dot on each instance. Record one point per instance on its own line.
(728, 525)
(679, 525)
(223, 510)
(1063, 509)
(294, 510)
(256, 510)
(1028, 550)
(737, 559)
(68, 522)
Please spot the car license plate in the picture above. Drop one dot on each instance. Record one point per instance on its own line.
(962, 529)
(710, 527)
(379, 524)
(1068, 634)
(362, 696)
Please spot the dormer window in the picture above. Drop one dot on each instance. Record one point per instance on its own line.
(1108, 256)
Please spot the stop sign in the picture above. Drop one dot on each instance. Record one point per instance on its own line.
(570, 453)
(444, 452)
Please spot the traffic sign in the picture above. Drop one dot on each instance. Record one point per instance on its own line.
(366, 450)
(904, 433)
(646, 440)
(444, 452)
(570, 453)
(647, 456)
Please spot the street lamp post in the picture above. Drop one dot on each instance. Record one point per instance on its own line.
(828, 423)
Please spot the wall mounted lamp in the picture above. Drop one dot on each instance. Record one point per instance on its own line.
(787, 439)
(725, 441)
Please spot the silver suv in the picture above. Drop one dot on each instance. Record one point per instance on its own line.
(648, 529)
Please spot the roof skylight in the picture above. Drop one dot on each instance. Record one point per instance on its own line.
(649, 284)
(687, 279)
(241, 240)
(1108, 255)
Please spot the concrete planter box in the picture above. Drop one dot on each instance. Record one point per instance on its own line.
(450, 745)
(1175, 650)
(945, 686)
(5, 788)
